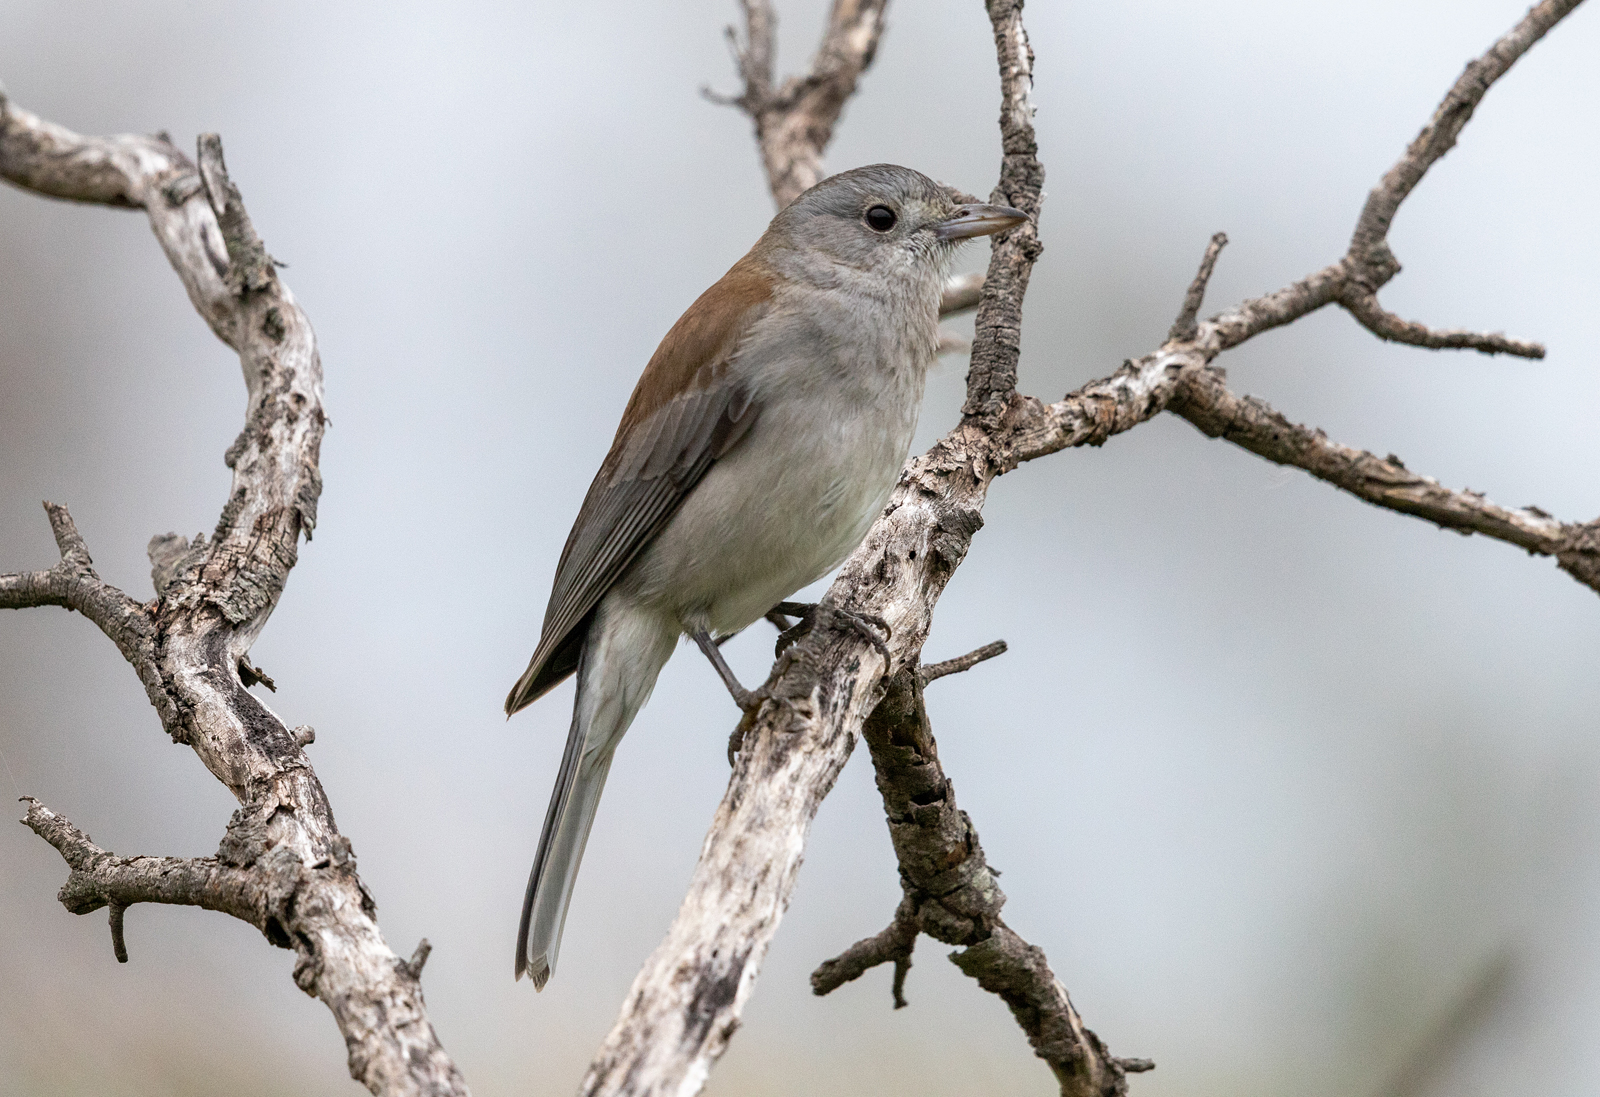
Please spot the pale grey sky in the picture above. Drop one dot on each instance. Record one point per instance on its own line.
(1320, 762)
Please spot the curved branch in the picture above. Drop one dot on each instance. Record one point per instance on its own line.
(1439, 135)
(1386, 325)
(283, 865)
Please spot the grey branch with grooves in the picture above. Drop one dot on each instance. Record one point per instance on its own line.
(282, 865)
(688, 999)
(950, 893)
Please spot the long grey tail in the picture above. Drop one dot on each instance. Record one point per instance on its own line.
(622, 654)
(566, 830)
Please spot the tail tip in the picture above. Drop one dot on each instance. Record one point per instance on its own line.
(539, 971)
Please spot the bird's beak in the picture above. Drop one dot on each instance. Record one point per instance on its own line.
(979, 220)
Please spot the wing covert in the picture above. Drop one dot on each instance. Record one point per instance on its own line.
(667, 442)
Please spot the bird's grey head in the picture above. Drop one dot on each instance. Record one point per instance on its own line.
(885, 220)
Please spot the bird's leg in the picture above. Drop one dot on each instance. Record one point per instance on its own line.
(813, 613)
(746, 699)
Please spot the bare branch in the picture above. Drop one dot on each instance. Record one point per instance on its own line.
(1386, 325)
(892, 945)
(997, 338)
(934, 671)
(1186, 326)
(99, 878)
(283, 865)
(951, 895)
(1368, 265)
(73, 584)
(1439, 135)
(795, 122)
(1203, 399)
(753, 58)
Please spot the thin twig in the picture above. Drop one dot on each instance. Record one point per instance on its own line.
(934, 671)
(1186, 326)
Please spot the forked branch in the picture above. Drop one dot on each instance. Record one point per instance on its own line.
(951, 894)
(283, 866)
(687, 1000)
(794, 122)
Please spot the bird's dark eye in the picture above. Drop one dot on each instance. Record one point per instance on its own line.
(881, 218)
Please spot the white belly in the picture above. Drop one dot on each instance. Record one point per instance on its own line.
(779, 512)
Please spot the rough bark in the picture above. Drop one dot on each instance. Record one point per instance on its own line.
(951, 894)
(283, 866)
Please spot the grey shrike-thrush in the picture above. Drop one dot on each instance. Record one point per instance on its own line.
(761, 441)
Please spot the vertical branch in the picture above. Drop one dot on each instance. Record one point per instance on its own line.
(997, 335)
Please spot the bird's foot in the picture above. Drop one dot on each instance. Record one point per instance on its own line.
(750, 700)
(813, 614)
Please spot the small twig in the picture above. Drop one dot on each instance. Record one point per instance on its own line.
(73, 584)
(1386, 325)
(934, 671)
(893, 945)
(74, 553)
(250, 268)
(251, 675)
(1187, 326)
(418, 959)
(119, 945)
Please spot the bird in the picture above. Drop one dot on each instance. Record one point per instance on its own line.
(761, 441)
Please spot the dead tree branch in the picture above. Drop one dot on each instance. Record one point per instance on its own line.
(950, 893)
(794, 123)
(687, 1000)
(934, 671)
(282, 866)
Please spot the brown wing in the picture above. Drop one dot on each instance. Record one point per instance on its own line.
(686, 412)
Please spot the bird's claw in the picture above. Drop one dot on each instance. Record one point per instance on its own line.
(866, 625)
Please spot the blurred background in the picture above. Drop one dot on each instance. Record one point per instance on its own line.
(1281, 782)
